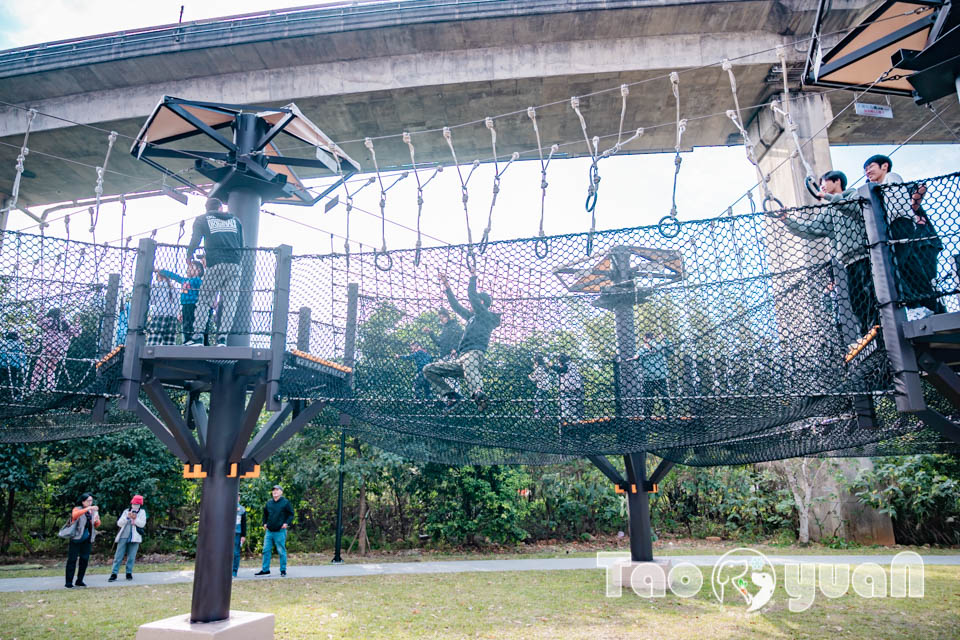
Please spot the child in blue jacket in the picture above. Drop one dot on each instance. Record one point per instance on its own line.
(189, 293)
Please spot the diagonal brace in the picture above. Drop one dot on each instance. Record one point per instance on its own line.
(163, 434)
(271, 427)
(249, 422)
(171, 417)
(946, 427)
(198, 412)
(265, 448)
(941, 377)
(662, 470)
(608, 470)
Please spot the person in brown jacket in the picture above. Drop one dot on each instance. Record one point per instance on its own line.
(87, 517)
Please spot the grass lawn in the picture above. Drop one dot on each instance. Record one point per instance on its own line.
(100, 565)
(534, 605)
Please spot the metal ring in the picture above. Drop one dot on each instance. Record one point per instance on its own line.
(668, 227)
(381, 266)
(812, 186)
(541, 248)
(591, 202)
(770, 199)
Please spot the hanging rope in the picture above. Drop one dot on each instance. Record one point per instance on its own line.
(734, 114)
(383, 260)
(100, 171)
(668, 225)
(497, 174)
(810, 178)
(593, 181)
(420, 186)
(21, 157)
(471, 258)
(541, 248)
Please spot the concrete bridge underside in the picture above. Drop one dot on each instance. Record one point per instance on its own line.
(378, 69)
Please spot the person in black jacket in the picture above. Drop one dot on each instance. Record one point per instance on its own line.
(277, 518)
(450, 334)
(222, 236)
(473, 344)
(239, 536)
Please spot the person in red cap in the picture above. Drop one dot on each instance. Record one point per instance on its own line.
(131, 524)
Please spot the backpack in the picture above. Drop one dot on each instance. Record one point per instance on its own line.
(69, 529)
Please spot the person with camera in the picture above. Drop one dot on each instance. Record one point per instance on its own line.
(86, 517)
(131, 523)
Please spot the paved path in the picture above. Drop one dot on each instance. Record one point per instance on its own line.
(449, 566)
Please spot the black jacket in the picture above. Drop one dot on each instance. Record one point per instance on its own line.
(480, 322)
(449, 337)
(222, 236)
(277, 513)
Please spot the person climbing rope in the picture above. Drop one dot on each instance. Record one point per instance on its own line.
(842, 221)
(222, 236)
(476, 338)
(54, 345)
(570, 384)
(420, 358)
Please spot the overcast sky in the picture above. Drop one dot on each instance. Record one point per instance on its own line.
(634, 190)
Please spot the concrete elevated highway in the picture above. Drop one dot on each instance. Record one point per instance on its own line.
(380, 68)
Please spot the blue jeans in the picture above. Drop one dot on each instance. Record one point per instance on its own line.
(125, 547)
(278, 538)
(236, 553)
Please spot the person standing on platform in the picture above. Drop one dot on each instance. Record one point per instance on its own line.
(652, 355)
(222, 236)
(189, 294)
(277, 518)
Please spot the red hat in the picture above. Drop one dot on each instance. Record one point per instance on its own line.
(137, 499)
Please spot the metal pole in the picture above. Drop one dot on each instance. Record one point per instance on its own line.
(109, 323)
(349, 359)
(212, 581)
(303, 330)
(908, 392)
(336, 552)
(638, 503)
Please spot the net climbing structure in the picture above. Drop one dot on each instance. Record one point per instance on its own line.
(739, 339)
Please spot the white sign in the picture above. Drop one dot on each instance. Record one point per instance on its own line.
(873, 110)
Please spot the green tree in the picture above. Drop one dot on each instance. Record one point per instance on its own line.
(21, 469)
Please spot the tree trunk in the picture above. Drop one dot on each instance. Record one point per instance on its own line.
(362, 533)
(8, 520)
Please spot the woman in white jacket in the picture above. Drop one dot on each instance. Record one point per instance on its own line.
(129, 537)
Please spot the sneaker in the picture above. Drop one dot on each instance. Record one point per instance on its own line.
(79, 583)
(195, 341)
(283, 573)
(262, 573)
(919, 313)
(68, 586)
(221, 341)
(482, 401)
(112, 578)
(129, 576)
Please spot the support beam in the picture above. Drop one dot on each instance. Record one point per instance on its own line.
(946, 427)
(278, 330)
(266, 432)
(942, 377)
(171, 417)
(265, 449)
(108, 323)
(249, 422)
(157, 427)
(198, 411)
(638, 504)
(139, 305)
(661, 471)
(601, 462)
(908, 392)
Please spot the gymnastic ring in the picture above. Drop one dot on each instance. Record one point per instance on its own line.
(668, 226)
(591, 202)
(381, 265)
(812, 186)
(771, 199)
(541, 248)
(471, 261)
